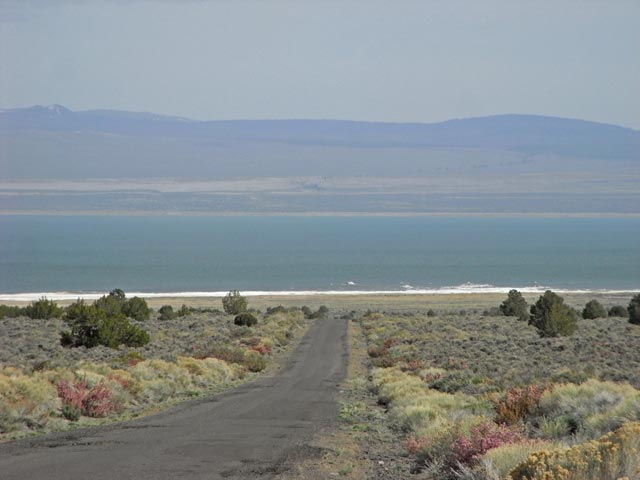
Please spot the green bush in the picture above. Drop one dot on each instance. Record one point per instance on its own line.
(515, 306)
(320, 313)
(594, 309)
(618, 311)
(274, 310)
(117, 330)
(451, 382)
(245, 319)
(551, 317)
(586, 411)
(7, 311)
(43, 309)
(91, 326)
(109, 304)
(71, 413)
(116, 302)
(118, 294)
(234, 303)
(166, 313)
(84, 321)
(137, 309)
(634, 310)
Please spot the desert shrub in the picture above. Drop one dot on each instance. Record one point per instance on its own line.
(225, 353)
(117, 330)
(84, 321)
(614, 456)
(234, 303)
(116, 302)
(515, 306)
(245, 319)
(634, 310)
(254, 361)
(431, 313)
(306, 311)
(118, 294)
(251, 359)
(587, 410)
(43, 309)
(517, 403)
(91, 326)
(130, 358)
(184, 311)
(618, 311)
(262, 346)
(322, 312)
(551, 317)
(416, 408)
(72, 414)
(25, 401)
(77, 310)
(467, 449)
(7, 311)
(277, 309)
(96, 401)
(594, 309)
(109, 304)
(451, 382)
(166, 313)
(72, 393)
(497, 462)
(137, 309)
(208, 371)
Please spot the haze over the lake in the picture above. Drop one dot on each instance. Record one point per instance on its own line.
(420, 61)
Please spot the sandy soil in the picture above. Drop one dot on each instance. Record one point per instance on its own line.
(471, 301)
(394, 302)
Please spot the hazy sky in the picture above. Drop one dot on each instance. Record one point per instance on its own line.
(367, 60)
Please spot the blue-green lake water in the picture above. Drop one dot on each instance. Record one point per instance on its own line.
(45, 254)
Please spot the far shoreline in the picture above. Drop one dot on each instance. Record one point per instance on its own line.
(161, 213)
(376, 301)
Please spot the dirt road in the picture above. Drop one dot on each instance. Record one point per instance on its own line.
(254, 431)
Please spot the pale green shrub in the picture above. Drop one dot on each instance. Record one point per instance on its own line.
(587, 410)
(499, 461)
(416, 408)
(25, 401)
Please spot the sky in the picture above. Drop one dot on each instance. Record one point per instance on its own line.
(402, 61)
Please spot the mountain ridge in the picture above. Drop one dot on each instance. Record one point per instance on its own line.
(158, 116)
(53, 142)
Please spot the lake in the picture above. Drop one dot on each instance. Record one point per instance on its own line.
(47, 254)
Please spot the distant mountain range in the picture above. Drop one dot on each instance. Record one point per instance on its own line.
(53, 142)
(55, 160)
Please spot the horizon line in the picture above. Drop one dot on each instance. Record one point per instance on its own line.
(320, 119)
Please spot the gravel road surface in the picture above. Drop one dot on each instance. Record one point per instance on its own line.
(254, 431)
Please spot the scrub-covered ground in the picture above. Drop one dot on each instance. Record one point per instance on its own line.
(45, 386)
(445, 394)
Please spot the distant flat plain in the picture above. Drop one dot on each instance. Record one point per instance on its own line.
(489, 194)
(390, 303)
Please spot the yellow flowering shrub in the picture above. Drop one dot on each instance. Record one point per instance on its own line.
(498, 462)
(611, 457)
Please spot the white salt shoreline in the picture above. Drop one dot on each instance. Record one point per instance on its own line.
(463, 289)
